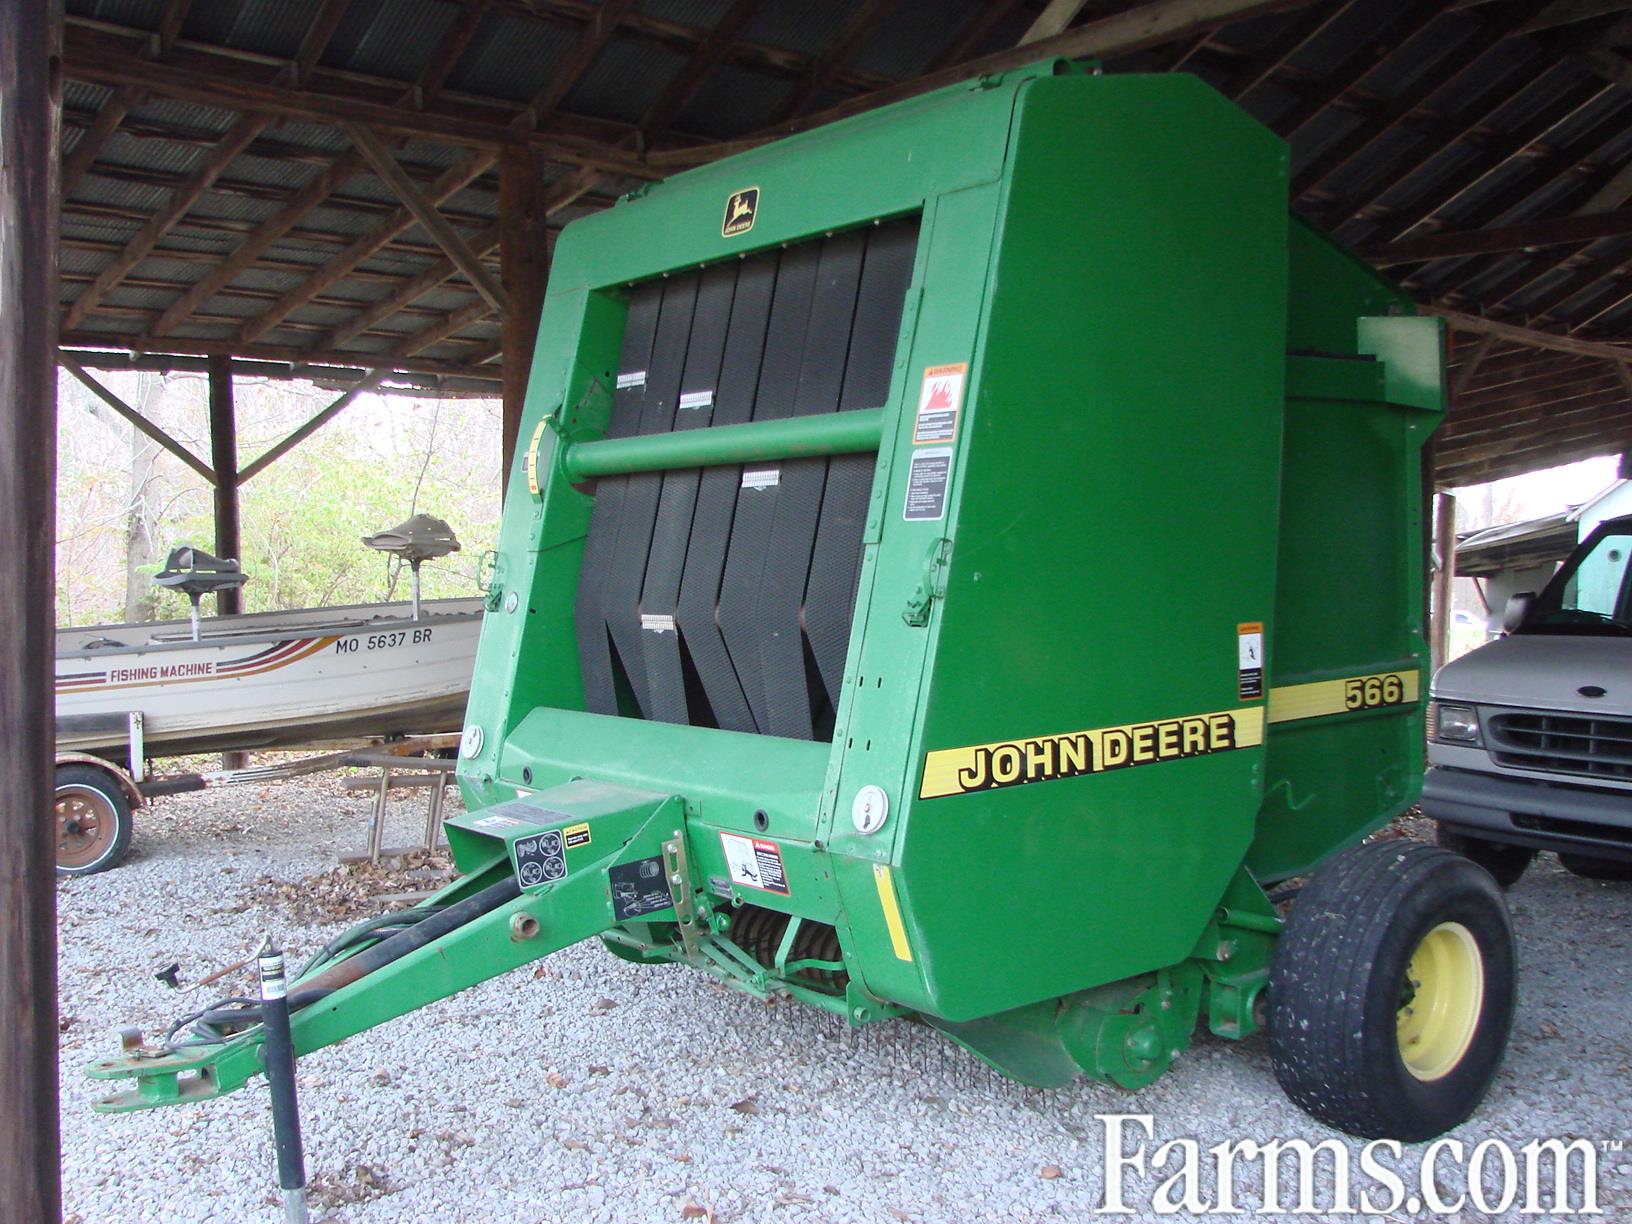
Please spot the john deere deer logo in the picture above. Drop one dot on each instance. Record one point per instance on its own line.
(739, 212)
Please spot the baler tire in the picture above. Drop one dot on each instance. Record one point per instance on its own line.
(1506, 863)
(1341, 991)
(1589, 867)
(89, 798)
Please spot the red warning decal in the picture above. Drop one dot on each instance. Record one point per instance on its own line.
(940, 396)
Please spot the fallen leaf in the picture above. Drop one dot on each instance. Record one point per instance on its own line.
(596, 1069)
(693, 1211)
(575, 1145)
(556, 1080)
(748, 1105)
(1051, 1172)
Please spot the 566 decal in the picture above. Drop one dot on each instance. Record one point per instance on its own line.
(382, 641)
(1366, 692)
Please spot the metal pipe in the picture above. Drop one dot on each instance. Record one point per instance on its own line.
(831, 433)
(280, 1077)
(415, 566)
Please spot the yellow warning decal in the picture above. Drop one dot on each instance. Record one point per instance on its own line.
(962, 771)
(532, 457)
(576, 835)
(892, 912)
(1290, 702)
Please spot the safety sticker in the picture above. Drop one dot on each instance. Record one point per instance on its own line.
(497, 822)
(926, 485)
(656, 622)
(697, 399)
(539, 860)
(634, 378)
(761, 477)
(962, 771)
(1290, 702)
(755, 863)
(576, 835)
(638, 888)
(1249, 646)
(532, 456)
(940, 396)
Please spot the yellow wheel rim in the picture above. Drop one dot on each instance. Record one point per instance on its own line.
(1440, 1001)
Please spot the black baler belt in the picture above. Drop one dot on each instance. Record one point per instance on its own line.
(835, 564)
(799, 495)
(757, 492)
(734, 398)
(589, 609)
(660, 640)
(627, 568)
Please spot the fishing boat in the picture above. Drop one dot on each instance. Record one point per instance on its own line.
(129, 692)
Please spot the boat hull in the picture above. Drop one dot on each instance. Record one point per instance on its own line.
(267, 680)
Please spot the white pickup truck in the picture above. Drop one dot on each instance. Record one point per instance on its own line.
(1530, 737)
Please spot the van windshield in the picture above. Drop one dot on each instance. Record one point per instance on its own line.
(1591, 593)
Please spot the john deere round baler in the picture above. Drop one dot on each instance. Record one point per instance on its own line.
(957, 560)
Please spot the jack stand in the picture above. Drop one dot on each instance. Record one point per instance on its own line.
(280, 1075)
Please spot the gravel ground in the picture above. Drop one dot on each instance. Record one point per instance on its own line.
(592, 1089)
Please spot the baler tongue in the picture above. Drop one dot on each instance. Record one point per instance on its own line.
(559, 866)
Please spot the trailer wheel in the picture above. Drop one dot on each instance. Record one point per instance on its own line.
(1590, 868)
(93, 820)
(1392, 991)
(1504, 862)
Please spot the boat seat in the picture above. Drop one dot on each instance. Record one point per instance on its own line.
(421, 538)
(196, 572)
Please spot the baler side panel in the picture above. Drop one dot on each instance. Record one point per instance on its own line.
(1114, 527)
(1349, 608)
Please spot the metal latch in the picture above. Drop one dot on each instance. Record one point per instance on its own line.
(679, 877)
(931, 587)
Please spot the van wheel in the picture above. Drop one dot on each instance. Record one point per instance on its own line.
(1504, 862)
(1392, 991)
(93, 820)
(1590, 868)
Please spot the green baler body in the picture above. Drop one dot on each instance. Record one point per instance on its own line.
(1170, 428)
(1185, 435)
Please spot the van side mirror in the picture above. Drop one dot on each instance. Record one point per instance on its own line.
(1518, 607)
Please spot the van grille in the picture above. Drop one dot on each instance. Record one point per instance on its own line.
(1561, 743)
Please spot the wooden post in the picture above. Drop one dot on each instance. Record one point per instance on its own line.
(1445, 547)
(30, 99)
(224, 459)
(523, 265)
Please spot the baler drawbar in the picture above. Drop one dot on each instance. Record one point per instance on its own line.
(959, 561)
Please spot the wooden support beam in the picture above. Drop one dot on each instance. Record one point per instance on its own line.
(189, 346)
(224, 460)
(181, 200)
(592, 40)
(90, 144)
(1529, 335)
(361, 248)
(1465, 373)
(431, 221)
(683, 86)
(1264, 64)
(1055, 17)
(1568, 12)
(136, 419)
(449, 325)
(1363, 59)
(1461, 59)
(95, 64)
(524, 258)
(30, 98)
(406, 294)
(1527, 235)
(257, 244)
(312, 425)
(327, 180)
(1146, 25)
(861, 23)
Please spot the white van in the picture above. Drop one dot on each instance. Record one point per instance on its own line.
(1530, 737)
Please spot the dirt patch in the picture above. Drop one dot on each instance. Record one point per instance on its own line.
(348, 892)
